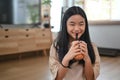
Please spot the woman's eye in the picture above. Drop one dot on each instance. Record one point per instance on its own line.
(72, 24)
(81, 24)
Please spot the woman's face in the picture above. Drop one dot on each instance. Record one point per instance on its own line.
(75, 24)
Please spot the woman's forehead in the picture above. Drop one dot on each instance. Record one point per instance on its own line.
(76, 17)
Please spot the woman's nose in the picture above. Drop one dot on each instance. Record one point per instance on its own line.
(77, 28)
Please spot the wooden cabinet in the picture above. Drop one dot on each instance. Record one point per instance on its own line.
(16, 40)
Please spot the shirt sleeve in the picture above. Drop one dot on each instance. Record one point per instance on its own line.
(96, 66)
(53, 62)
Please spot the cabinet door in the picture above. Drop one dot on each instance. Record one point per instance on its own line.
(27, 40)
(8, 41)
(43, 38)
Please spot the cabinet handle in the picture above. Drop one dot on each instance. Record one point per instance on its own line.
(43, 34)
(27, 29)
(6, 36)
(6, 29)
(27, 35)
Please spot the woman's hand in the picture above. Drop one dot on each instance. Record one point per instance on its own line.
(73, 51)
(84, 49)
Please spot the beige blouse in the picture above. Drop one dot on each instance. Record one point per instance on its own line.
(76, 71)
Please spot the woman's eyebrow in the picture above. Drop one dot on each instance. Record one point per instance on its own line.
(71, 22)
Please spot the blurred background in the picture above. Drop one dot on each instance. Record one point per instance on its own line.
(28, 28)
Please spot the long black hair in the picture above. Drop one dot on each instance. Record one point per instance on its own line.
(62, 41)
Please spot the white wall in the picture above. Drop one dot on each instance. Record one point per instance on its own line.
(56, 14)
(106, 36)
